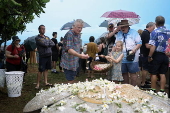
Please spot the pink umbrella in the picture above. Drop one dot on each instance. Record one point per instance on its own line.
(120, 14)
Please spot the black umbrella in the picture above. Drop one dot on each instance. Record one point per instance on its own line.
(30, 43)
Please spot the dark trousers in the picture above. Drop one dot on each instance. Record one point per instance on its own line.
(12, 67)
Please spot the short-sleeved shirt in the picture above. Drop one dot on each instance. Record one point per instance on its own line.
(145, 37)
(70, 41)
(159, 38)
(14, 51)
(132, 38)
(168, 50)
(54, 48)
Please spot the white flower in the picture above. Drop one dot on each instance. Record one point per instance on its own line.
(145, 100)
(145, 109)
(41, 91)
(88, 108)
(51, 99)
(108, 101)
(111, 87)
(105, 106)
(61, 108)
(151, 92)
(62, 102)
(44, 109)
(161, 94)
(103, 95)
(72, 96)
(166, 96)
(137, 109)
(38, 94)
(81, 95)
(136, 87)
(152, 106)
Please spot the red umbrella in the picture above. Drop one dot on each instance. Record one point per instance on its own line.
(120, 14)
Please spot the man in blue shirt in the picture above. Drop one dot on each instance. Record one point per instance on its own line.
(157, 57)
(132, 41)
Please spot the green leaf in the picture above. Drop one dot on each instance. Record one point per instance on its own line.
(45, 1)
(15, 3)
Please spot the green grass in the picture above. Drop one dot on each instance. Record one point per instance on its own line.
(16, 104)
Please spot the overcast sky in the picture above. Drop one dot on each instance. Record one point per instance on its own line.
(59, 12)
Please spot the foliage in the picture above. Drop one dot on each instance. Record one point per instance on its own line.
(15, 14)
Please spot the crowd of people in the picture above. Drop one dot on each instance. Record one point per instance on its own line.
(129, 51)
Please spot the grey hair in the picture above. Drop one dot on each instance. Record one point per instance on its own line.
(160, 21)
(150, 24)
(78, 21)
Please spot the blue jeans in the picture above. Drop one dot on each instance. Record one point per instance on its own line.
(69, 74)
(130, 67)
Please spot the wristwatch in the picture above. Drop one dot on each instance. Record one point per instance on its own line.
(149, 57)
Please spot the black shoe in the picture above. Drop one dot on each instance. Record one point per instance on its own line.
(147, 82)
(145, 87)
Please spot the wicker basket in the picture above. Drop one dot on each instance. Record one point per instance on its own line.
(98, 62)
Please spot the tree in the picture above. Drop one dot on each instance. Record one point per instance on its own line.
(15, 14)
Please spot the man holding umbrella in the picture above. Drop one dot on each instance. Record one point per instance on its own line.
(71, 51)
(44, 45)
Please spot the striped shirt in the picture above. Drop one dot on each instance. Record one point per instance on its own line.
(71, 41)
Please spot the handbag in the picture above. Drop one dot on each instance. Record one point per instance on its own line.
(130, 57)
(22, 62)
(23, 66)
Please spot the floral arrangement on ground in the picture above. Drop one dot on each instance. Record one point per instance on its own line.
(98, 96)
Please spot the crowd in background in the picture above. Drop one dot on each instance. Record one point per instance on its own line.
(130, 52)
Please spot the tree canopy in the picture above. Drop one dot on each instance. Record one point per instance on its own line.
(15, 14)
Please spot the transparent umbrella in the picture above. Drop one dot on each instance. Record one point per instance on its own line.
(131, 21)
(104, 23)
(69, 25)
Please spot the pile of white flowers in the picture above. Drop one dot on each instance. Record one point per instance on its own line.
(115, 98)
